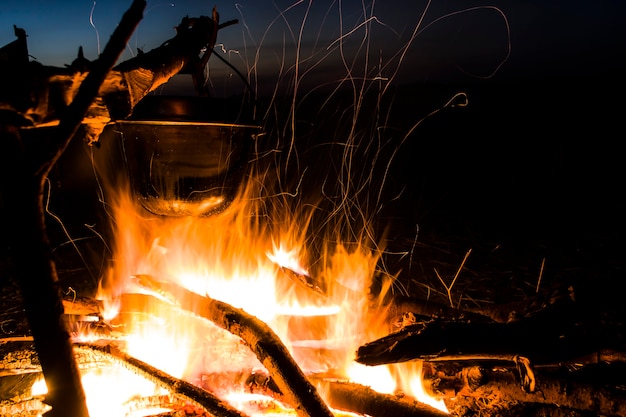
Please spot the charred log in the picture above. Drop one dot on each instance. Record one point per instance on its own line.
(535, 304)
(551, 336)
(289, 378)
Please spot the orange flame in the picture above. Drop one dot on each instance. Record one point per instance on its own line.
(236, 258)
(122, 386)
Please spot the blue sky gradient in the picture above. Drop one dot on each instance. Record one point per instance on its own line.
(456, 40)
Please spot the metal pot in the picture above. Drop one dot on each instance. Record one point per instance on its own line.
(181, 167)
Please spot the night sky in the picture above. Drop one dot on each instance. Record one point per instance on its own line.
(447, 40)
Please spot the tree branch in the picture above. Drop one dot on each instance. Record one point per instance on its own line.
(89, 88)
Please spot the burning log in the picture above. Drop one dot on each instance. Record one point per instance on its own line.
(186, 391)
(83, 307)
(340, 395)
(22, 368)
(358, 398)
(296, 389)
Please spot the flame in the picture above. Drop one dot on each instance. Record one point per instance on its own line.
(287, 259)
(257, 405)
(321, 316)
(256, 255)
(378, 378)
(122, 387)
(39, 388)
(411, 378)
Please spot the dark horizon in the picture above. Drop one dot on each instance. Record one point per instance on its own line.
(455, 42)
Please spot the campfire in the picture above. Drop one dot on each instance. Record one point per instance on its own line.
(230, 294)
(229, 299)
(251, 265)
(226, 303)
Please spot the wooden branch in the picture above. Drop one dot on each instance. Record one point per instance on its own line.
(184, 390)
(22, 180)
(22, 357)
(88, 90)
(22, 217)
(552, 336)
(292, 383)
(195, 66)
(147, 71)
(41, 95)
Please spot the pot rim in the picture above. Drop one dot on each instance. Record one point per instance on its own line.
(183, 123)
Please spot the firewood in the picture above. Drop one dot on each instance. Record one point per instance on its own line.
(303, 280)
(185, 390)
(17, 385)
(22, 368)
(364, 400)
(272, 353)
(558, 296)
(340, 394)
(552, 336)
(25, 408)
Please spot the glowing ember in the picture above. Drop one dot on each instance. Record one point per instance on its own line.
(260, 405)
(112, 391)
(377, 378)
